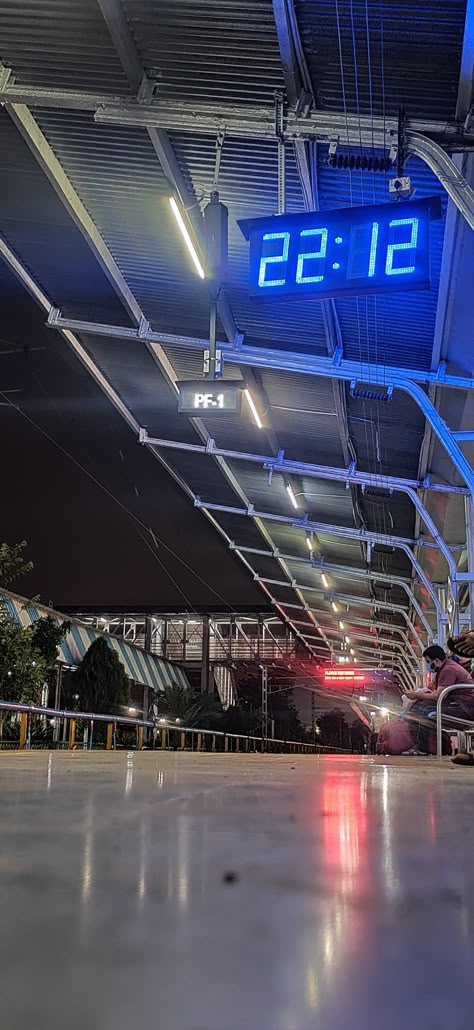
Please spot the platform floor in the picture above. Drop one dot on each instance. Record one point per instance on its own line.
(224, 893)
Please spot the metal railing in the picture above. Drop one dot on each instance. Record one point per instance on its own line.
(468, 723)
(162, 734)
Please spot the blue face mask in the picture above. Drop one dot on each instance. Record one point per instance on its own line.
(432, 667)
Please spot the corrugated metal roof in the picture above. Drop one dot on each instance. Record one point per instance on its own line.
(60, 43)
(225, 50)
(412, 47)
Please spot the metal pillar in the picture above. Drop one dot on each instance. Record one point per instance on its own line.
(164, 642)
(205, 656)
(264, 707)
(57, 702)
(148, 632)
(468, 502)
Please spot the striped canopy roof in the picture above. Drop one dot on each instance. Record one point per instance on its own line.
(140, 665)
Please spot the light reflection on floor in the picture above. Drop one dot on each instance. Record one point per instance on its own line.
(220, 893)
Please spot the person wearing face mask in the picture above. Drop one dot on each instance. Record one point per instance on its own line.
(447, 673)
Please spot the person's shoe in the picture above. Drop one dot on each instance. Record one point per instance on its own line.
(415, 751)
(463, 758)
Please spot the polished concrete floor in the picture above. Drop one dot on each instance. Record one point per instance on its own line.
(205, 892)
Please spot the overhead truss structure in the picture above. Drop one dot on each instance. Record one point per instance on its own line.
(430, 605)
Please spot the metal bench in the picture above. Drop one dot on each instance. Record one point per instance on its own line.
(465, 727)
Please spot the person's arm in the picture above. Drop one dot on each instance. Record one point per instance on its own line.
(419, 695)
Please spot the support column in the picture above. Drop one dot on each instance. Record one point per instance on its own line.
(72, 734)
(57, 702)
(469, 511)
(205, 656)
(264, 707)
(148, 632)
(164, 646)
(23, 730)
(146, 690)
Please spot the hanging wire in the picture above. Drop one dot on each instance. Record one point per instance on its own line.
(120, 504)
(343, 87)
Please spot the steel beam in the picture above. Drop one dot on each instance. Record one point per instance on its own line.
(361, 602)
(365, 623)
(117, 24)
(347, 476)
(39, 146)
(405, 379)
(342, 531)
(396, 660)
(348, 572)
(238, 120)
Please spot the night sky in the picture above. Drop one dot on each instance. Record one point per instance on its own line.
(86, 549)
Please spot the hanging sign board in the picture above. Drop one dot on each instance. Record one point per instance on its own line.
(381, 248)
(206, 396)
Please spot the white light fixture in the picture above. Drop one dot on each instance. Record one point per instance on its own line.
(309, 544)
(187, 238)
(251, 404)
(351, 650)
(291, 495)
(362, 697)
(347, 640)
(341, 625)
(334, 606)
(132, 711)
(324, 580)
(384, 711)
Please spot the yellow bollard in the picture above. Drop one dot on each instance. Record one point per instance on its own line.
(23, 730)
(183, 741)
(110, 734)
(226, 743)
(140, 739)
(72, 733)
(164, 734)
(199, 742)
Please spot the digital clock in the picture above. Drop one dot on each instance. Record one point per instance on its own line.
(349, 251)
(206, 396)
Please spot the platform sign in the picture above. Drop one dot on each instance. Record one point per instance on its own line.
(348, 251)
(206, 396)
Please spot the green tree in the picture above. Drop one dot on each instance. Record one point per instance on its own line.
(101, 680)
(334, 729)
(22, 667)
(47, 635)
(12, 563)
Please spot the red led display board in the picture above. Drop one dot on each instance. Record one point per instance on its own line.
(343, 676)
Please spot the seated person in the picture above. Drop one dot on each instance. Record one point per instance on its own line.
(459, 704)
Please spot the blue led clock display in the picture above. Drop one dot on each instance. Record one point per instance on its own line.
(348, 251)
